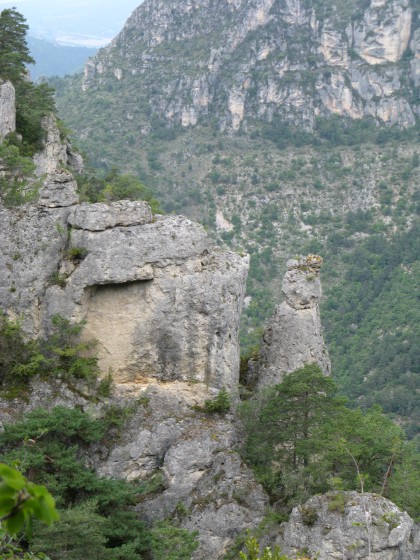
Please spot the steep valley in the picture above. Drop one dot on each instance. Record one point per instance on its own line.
(183, 385)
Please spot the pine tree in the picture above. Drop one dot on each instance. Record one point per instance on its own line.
(14, 52)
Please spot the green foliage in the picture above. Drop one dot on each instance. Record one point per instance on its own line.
(404, 483)
(79, 534)
(33, 102)
(13, 349)
(301, 438)
(63, 355)
(337, 502)
(309, 515)
(58, 279)
(153, 485)
(49, 447)
(253, 552)
(13, 186)
(221, 404)
(172, 543)
(22, 501)
(14, 52)
(115, 186)
(371, 319)
(76, 254)
(11, 548)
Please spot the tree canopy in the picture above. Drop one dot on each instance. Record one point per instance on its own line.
(302, 439)
(14, 52)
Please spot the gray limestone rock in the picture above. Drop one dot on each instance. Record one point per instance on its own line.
(293, 337)
(158, 299)
(59, 190)
(100, 216)
(74, 160)
(205, 485)
(7, 109)
(33, 240)
(55, 154)
(366, 522)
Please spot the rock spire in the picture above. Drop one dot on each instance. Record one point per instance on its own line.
(293, 336)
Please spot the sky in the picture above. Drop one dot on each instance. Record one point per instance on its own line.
(88, 23)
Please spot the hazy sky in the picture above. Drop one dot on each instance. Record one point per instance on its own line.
(82, 22)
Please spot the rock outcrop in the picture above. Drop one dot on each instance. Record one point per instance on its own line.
(158, 299)
(55, 155)
(164, 307)
(205, 484)
(293, 337)
(347, 525)
(7, 109)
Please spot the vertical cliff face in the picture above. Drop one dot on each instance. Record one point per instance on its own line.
(293, 337)
(237, 61)
(7, 109)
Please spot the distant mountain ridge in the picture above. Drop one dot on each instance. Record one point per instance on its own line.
(236, 61)
(53, 59)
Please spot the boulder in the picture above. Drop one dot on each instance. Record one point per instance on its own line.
(349, 525)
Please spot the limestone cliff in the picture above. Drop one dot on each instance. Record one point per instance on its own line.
(293, 336)
(164, 307)
(55, 154)
(235, 61)
(158, 299)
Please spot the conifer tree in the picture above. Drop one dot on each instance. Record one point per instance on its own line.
(14, 52)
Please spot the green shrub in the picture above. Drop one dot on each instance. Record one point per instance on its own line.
(337, 502)
(220, 404)
(50, 448)
(58, 279)
(309, 515)
(63, 355)
(76, 254)
(253, 552)
(172, 543)
(14, 189)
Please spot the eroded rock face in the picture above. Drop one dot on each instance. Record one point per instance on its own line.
(205, 484)
(293, 337)
(290, 52)
(58, 191)
(384, 33)
(55, 155)
(157, 298)
(363, 522)
(7, 109)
